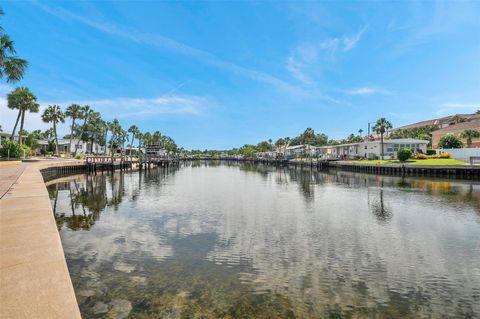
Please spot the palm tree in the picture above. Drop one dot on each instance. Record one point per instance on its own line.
(135, 131)
(94, 129)
(86, 113)
(107, 127)
(11, 66)
(147, 138)
(470, 134)
(74, 111)
(381, 126)
(116, 129)
(23, 100)
(54, 114)
(156, 138)
(360, 131)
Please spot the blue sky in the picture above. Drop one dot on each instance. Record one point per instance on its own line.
(221, 74)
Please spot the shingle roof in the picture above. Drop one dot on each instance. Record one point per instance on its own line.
(459, 127)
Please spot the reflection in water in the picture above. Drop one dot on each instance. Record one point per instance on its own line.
(224, 240)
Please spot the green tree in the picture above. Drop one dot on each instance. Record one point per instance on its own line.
(134, 131)
(86, 113)
(404, 154)
(470, 134)
(23, 100)
(156, 138)
(11, 66)
(53, 114)
(449, 141)
(307, 136)
(381, 126)
(74, 111)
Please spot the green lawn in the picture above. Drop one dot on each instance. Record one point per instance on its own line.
(436, 161)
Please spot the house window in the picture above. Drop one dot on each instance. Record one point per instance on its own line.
(390, 150)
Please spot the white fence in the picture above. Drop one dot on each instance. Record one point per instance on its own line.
(462, 154)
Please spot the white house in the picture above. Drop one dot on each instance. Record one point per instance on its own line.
(64, 146)
(6, 136)
(372, 149)
(297, 150)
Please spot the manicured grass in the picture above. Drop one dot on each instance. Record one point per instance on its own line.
(429, 161)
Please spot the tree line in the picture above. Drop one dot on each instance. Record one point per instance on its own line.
(86, 125)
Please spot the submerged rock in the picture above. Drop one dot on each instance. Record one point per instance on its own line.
(99, 308)
(120, 308)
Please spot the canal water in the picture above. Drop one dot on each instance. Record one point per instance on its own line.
(218, 240)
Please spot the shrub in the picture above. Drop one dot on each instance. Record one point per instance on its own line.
(13, 149)
(445, 155)
(450, 141)
(404, 154)
(79, 156)
(431, 152)
(420, 156)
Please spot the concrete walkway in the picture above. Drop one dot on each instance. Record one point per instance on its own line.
(9, 173)
(34, 278)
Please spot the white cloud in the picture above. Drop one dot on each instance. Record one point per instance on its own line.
(455, 107)
(122, 108)
(350, 42)
(307, 54)
(461, 105)
(364, 91)
(163, 42)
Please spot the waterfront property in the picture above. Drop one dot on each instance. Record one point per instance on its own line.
(71, 147)
(373, 149)
(6, 136)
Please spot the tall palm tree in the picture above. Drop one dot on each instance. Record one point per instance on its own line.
(23, 100)
(115, 129)
(470, 134)
(53, 114)
(11, 66)
(74, 111)
(135, 131)
(156, 137)
(147, 138)
(360, 131)
(94, 129)
(381, 126)
(107, 127)
(86, 113)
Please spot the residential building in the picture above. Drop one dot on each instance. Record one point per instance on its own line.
(64, 146)
(456, 130)
(372, 149)
(6, 136)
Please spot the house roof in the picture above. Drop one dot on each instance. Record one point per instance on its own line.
(458, 127)
(440, 121)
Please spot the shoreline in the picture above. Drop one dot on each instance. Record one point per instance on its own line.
(35, 281)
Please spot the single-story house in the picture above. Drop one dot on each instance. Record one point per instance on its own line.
(64, 146)
(372, 149)
(6, 136)
(299, 150)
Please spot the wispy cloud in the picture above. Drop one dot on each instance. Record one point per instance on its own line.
(366, 90)
(307, 54)
(163, 42)
(455, 107)
(181, 105)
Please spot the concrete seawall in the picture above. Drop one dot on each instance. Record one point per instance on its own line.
(34, 278)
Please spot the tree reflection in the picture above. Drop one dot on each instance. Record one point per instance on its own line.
(380, 210)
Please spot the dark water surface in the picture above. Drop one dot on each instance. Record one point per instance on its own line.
(211, 240)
